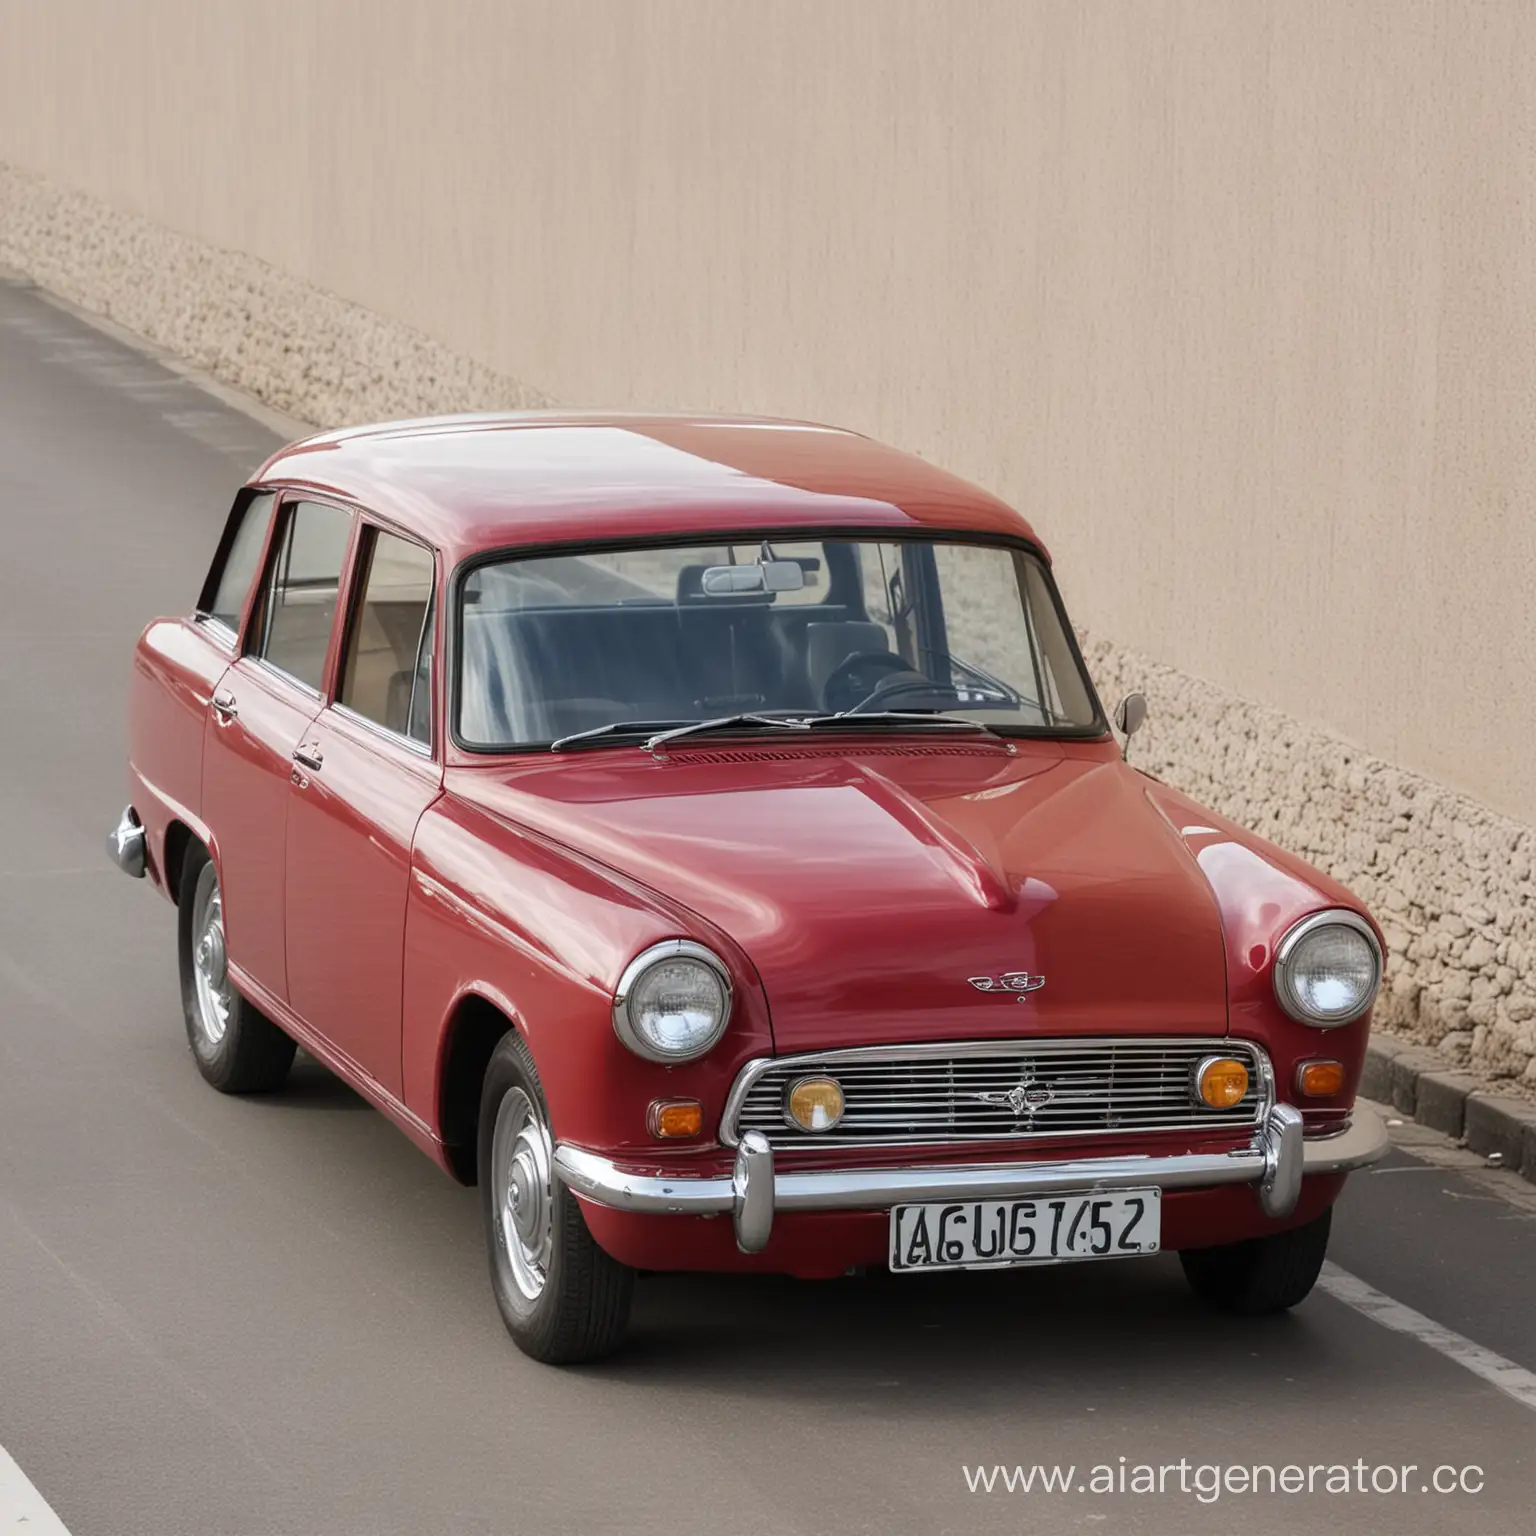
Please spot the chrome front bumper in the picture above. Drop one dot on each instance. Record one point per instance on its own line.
(1277, 1159)
(125, 845)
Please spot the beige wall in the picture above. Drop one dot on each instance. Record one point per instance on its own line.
(1236, 300)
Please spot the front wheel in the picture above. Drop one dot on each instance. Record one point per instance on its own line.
(236, 1047)
(1263, 1274)
(562, 1298)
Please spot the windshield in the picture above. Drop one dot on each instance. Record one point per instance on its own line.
(558, 645)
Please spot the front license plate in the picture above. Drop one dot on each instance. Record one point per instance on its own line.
(1050, 1229)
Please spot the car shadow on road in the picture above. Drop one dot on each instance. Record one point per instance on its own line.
(961, 1337)
(312, 1086)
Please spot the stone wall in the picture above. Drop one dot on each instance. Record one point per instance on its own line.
(292, 346)
(1450, 881)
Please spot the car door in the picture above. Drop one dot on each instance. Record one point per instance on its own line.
(367, 770)
(171, 700)
(260, 712)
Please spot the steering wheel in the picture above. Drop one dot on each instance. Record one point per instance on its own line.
(853, 680)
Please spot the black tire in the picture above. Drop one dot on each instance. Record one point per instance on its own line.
(1263, 1274)
(581, 1309)
(249, 1054)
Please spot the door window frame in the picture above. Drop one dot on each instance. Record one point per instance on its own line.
(215, 628)
(287, 499)
(370, 526)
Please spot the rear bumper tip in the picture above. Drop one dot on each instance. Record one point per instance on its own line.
(125, 844)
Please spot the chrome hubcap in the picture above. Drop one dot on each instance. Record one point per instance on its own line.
(520, 1172)
(210, 966)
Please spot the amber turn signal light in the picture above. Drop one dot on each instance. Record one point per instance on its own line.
(670, 1118)
(1221, 1082)
(1320, 1079)
(815, 1103)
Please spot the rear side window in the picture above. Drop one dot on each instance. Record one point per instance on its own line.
(234, 567)
(299, 600)
(387, 674)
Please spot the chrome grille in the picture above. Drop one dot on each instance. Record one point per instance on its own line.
(898, 1095)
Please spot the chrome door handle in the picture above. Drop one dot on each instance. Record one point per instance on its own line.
(309, 757)
(224, 702)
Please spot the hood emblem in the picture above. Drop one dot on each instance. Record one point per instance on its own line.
(1026, 1099)
(1009, 981)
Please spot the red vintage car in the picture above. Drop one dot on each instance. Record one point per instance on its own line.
(704, 835)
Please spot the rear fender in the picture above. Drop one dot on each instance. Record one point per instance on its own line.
(177, 664)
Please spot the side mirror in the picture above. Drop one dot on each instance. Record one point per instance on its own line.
(1130, 716)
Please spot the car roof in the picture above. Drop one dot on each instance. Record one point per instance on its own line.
(471, 483)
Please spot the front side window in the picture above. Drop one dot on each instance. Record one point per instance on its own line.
(945, 629)
(299, 598)
(386, 676)
(229, 583)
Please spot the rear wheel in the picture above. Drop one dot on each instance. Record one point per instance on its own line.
(1263, 1274)
(236, 1047)
(562, 1298)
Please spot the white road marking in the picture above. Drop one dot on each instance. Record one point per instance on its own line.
(22, 1508)
(1509, 1378)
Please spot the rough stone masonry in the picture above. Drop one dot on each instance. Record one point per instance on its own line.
(1449, 880)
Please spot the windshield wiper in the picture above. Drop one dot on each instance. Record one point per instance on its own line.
(797, 722)
(899, 717)
(613, 728)
(664, 731)
(787, 722)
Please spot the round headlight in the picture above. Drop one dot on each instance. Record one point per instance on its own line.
(1327, 969)
(672, 1001)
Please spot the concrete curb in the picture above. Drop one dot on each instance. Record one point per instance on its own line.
(1417, 1082)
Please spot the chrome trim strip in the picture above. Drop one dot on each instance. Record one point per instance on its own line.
(1277, 1159)
(420, 748)
(963, 1050)
(1269, 1093)
(126, 845)
(221, 631)
(273, 670)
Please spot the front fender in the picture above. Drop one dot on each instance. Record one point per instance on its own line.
(509, 917)
(1260, 891)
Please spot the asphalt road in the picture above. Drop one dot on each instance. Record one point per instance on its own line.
(224, 1316)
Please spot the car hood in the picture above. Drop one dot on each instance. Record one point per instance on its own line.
(868, 885)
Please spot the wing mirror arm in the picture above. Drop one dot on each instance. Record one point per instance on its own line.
(1130, 716)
